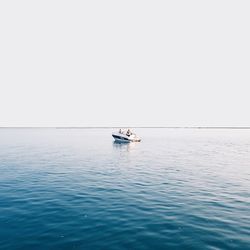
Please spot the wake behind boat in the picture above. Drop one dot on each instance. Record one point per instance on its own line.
(123, 136)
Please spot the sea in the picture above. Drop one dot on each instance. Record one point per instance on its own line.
(75, 188)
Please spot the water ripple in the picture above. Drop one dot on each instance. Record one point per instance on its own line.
(177, 189)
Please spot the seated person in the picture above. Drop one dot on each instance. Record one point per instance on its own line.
(128, 132)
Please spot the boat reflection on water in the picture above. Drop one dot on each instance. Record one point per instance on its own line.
(124, 146)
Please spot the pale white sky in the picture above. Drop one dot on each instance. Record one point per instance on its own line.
(124, 63)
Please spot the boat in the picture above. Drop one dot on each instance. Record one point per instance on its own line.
(125, 136)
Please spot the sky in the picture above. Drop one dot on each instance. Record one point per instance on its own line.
(124, 63)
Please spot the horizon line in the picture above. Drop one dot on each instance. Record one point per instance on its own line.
(107, 127)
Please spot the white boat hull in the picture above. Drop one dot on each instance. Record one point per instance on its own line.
(119, 137)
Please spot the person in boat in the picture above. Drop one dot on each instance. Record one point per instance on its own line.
(128, 132)
(120, 131)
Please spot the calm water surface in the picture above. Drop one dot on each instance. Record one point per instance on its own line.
(76, 189)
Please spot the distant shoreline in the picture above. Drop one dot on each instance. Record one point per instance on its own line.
(199, 127)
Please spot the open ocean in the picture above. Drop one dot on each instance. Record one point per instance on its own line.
(77, 189)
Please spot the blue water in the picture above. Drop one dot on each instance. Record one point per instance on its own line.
(76, 189)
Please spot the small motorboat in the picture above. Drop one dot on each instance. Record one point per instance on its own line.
(123, 136)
